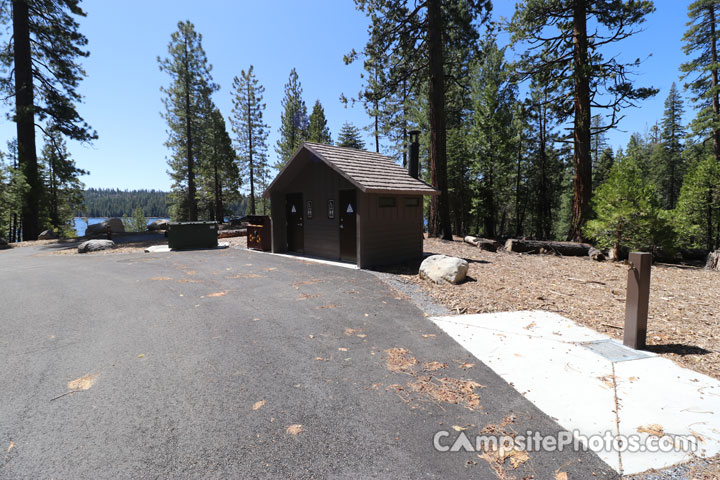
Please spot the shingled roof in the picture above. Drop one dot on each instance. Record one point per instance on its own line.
(370, 172)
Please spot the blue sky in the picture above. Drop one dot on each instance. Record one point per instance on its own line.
(122, 88)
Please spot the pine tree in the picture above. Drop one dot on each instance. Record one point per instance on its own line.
(627, 211)
(12, 192)
(187, 104)
(598, 142)
(546, 169)
(42, 73)
(350, 137)
(63, 189)
(250, 130)
(669, 171)
(492, 151)
(701, 39)
(318, 130)
(569, 59)
(697, 216)
(605, 163)
(397, 29)
(293, 122)
(219, 178)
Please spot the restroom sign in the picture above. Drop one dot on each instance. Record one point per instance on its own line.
(292, 210)
(350, 209)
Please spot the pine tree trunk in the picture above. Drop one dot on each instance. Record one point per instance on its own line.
(25, 119)
(714, 70)
(192, 201)
(219, 208)
(582, 180)
(439, 209)
(251, 167)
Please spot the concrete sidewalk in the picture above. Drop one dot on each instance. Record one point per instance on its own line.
(592, 385)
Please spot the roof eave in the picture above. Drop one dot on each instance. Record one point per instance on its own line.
(402, 192)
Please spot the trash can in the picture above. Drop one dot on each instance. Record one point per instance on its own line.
(187, 235)
(259, 232)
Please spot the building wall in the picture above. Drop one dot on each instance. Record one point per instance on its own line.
(318, 184)
(390, 234)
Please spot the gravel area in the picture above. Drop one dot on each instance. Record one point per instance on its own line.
(414, 293)
(700, 469)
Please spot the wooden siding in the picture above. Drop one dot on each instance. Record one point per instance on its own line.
(390, 234)
(318, 184)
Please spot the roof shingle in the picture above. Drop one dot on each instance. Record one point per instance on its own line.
(370, 172)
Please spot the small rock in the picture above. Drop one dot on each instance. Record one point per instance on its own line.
(47, 235)
(441, 268)
(95, 246)
(158, 225)
(116, 226)
(596, 254)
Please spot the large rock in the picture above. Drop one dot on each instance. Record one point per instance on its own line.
(158, 225)
(116, 226)
(3, 244)
(47, 235)
(713, 261)
(95, 246)
(441, 268)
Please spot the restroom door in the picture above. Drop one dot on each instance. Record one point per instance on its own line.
(294, 215)
(348, 225)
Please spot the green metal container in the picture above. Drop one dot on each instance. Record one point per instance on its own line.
(187, 235)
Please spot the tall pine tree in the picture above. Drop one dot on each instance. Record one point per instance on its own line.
(41, 72)
(187, 105)
(318, 130)
(63, 191)
(701, 39)
(670, 170)
(293, 121)
(492, 149)
(566, 54)
(219, 178)
(396, 32)
(250, 130)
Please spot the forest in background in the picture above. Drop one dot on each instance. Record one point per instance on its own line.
(513, 135)
(112, 202)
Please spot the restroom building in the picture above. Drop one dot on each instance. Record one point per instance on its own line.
(350, 205)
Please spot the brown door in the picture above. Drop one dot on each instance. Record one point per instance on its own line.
(348, 225)
(294, 215)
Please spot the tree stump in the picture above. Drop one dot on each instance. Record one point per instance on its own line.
(713, 261)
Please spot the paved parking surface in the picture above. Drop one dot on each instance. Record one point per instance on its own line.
(231, 363)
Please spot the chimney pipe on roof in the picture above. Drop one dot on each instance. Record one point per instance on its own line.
(414, 164)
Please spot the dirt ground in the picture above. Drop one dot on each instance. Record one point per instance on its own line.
(684, 317)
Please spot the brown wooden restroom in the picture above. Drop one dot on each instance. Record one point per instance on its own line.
(350, 205)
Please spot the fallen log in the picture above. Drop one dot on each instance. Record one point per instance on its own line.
(232, 233)
(568, 249)
(483, 243)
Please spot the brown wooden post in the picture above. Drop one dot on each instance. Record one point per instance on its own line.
(638, 298)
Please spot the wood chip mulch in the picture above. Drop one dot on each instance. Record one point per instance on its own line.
(684, 317)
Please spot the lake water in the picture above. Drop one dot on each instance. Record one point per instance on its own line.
(81, 226)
